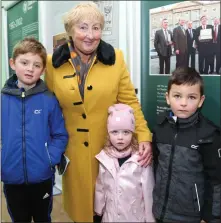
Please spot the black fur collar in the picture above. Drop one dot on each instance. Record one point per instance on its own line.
(105, 54)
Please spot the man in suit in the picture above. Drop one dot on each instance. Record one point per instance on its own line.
(204, 47)
(162, 43)
(216, 46)
(190, 32)
(180, 44)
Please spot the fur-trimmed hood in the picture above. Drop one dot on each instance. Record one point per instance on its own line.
(105, 54)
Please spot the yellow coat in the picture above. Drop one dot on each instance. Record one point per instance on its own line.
(105, 85)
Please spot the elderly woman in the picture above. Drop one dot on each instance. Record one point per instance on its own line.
(88, 75)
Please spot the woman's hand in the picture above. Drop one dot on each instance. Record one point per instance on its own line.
(145, 152)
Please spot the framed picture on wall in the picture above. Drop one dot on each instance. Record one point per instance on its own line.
(59, 40)
(153, 82)
(170, 48)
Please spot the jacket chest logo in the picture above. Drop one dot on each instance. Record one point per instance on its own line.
(194, 146)
(37, 111)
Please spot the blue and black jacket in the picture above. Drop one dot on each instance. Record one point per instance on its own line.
(33, 133)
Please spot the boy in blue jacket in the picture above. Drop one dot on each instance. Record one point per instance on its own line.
(33, 136)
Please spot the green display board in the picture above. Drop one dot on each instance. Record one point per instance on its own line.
(153, 87)
(22, 21)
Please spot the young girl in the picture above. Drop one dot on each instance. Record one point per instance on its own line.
(123, 190)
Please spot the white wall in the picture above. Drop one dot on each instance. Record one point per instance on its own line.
(50, 20)
(4, 49)
(133, 37)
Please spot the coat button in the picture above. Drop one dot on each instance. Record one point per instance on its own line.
(89, 87)
(84, 116)
(86, 144)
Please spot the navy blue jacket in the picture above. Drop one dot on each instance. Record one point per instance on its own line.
(33, 133)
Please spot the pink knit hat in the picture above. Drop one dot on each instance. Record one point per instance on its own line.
(121, 116)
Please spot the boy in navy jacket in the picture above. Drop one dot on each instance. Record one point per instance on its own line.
(186, 155)
(33, 136)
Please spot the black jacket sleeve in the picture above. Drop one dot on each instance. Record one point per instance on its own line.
(212, 167)
(156, 42)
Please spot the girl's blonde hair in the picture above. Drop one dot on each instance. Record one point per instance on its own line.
(134, 144)
(84, 10)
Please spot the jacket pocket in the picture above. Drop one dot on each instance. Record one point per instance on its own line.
(138, 211)
(188, 199)
(48, 156)
(198, 197)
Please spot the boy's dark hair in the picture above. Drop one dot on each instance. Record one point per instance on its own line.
(30, 45)
(185, 75)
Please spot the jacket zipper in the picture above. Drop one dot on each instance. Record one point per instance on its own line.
(23, 137)
(49, 157)
(169, 177)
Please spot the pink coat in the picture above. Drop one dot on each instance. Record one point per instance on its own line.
(123, 194)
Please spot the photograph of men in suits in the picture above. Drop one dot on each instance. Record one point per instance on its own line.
(190, 32)
(204, 47)
(162, 43)
(216, 46)
(180, 44)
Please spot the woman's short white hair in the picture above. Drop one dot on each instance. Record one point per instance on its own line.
(84, 10)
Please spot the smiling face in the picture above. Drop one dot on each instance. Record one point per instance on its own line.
(184, 99)
(121, 139)
(86, 36)
(28, 68)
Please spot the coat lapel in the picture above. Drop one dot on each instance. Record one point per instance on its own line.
(107, 162)
(73, 82)
(162, 34)
(180, 29)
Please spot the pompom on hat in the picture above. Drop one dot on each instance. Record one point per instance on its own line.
(121, 116)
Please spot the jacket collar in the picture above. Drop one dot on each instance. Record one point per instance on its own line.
(109, 162)
(11, 88)
(180, 122)
(105, 54)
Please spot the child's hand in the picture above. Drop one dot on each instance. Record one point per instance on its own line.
(145, 152)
